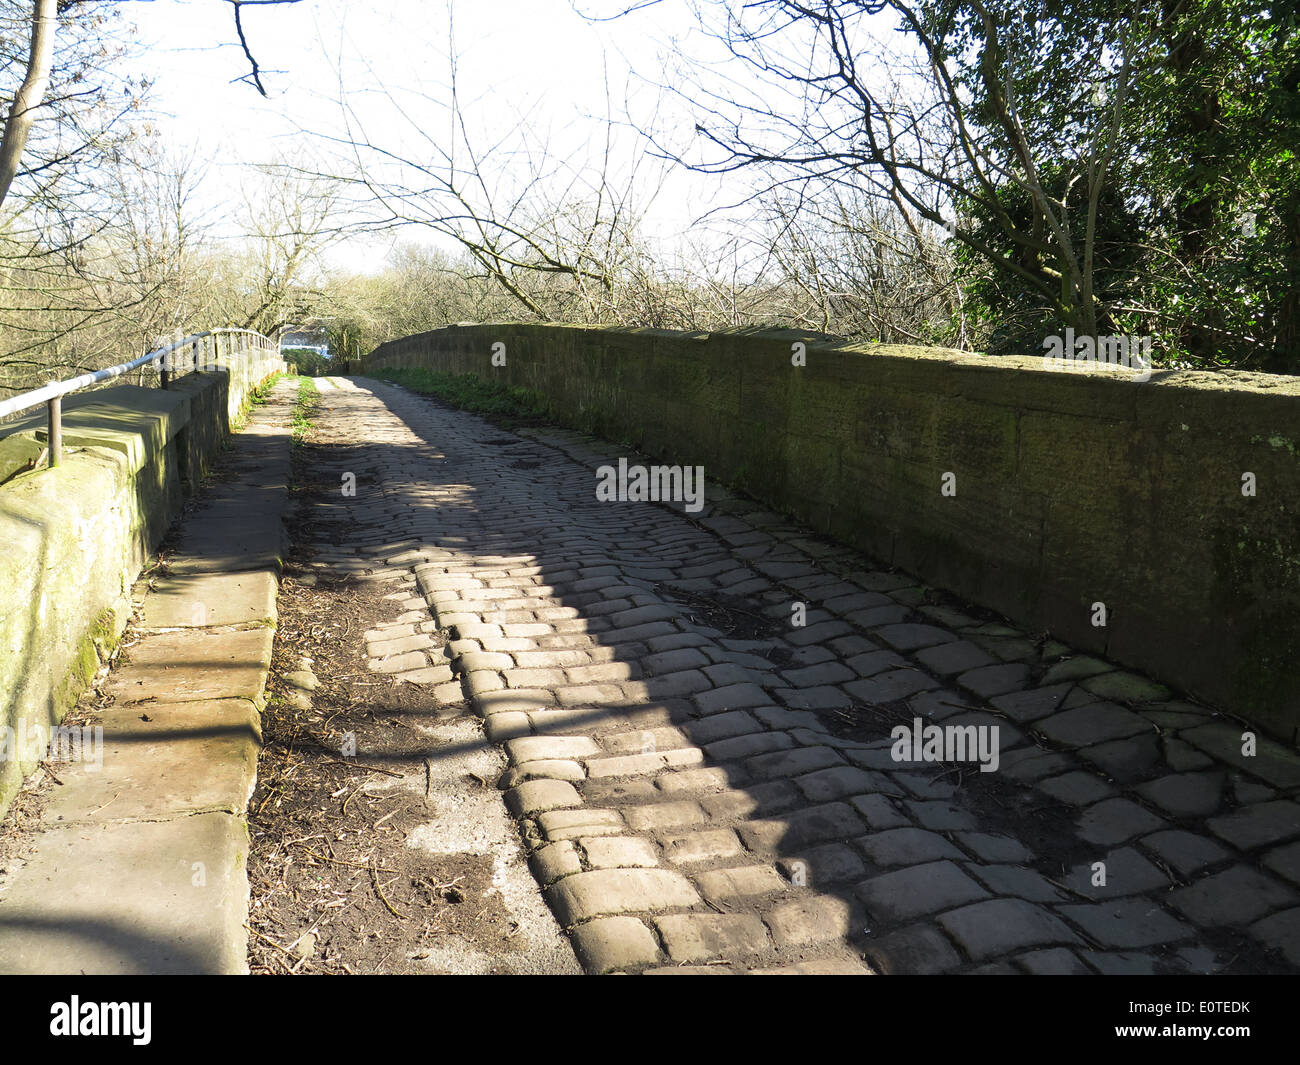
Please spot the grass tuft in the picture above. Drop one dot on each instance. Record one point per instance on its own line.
(506, 403)
(304, 408)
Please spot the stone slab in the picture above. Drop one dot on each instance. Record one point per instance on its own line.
(194, 665)
(232, 537)
(201, 600)
(158, 898)
(187, 758)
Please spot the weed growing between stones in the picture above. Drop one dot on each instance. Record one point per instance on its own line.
(469, 392)
(304, 409)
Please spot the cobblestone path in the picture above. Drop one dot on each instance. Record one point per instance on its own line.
(703, 771)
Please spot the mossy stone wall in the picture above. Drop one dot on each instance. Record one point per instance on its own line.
(74, 538)
(1071, 489)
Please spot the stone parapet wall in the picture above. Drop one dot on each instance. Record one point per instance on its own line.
(1065, 490)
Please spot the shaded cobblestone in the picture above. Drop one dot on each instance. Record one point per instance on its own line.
(641, 731)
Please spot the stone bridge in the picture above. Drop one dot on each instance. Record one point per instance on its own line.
(953, 665)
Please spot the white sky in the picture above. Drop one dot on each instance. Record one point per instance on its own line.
(533, 57)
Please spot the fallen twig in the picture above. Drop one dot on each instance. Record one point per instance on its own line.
(340, 861)
(268, 939)
(367, 768)
(374, 880)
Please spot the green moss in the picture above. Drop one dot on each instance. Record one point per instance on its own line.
(103, 633)
(255, 398)
(1277, 443)
(84, 666)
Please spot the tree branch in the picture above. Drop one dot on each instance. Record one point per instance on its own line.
(254, 76)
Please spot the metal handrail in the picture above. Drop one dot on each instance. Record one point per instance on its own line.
(52, 394)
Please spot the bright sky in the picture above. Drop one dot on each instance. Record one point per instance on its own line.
(537, 59)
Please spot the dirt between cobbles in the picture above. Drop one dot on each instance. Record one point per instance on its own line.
(369, 849)
(335, 888)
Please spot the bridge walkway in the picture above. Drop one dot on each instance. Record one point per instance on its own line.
(698, 708)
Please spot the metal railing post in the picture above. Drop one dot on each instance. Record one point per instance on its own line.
(54, 410)
(232, 343)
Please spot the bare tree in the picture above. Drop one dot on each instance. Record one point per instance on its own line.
(813, 95)
(858, 267)
(289, 221)
(554, 230)
(76, 303)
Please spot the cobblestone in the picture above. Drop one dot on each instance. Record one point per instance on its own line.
(1285, 862)
(399, 663)
(1184, 851)
(1281, 932)
(988, 681)
(917, 950)
(1185, 794)
(838, 782)
(792, 763)
(1127, 923)
(659, 738)
(739, 882)
(1116, 820)
(919, 890)
(830, 863)
(709, 845)
(570, 824)
(879, 812)
(908, 846)
(537, 748)
(813, 825)
(811, 920)
(385, 648)
(724, 727)
(663, 815)
(1255, 826)
(748, 746)
(649, 750)
(1088, 725)
(1054, 962)
(911, 637)
(1237, 895)
(619, 852)
(697, 937)
(555, 860)
(610, 944)
(758, 799)
(708, 778)
(1000, 926)
(841, 965)
(1126, 872)
(614, 891)
(635, 764)
(539, 796)
(1076, 788)
(543, 769)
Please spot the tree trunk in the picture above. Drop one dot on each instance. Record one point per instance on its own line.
(30, 94)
